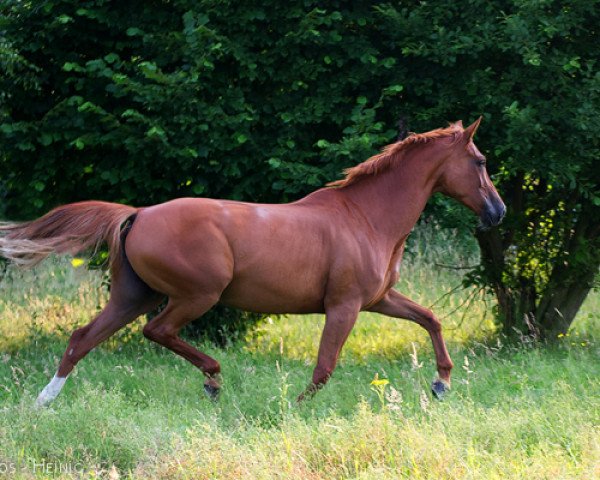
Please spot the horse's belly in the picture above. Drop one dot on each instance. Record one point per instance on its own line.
(275, 295)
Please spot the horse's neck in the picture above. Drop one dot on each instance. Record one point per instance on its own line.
(393, 200)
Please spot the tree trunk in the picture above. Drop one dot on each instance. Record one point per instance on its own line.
(542, 311)
(571, 279)
(558, 308)
(493, 262)
(522, 310)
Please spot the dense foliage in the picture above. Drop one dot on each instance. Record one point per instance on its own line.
(142, 101)
(184, 98)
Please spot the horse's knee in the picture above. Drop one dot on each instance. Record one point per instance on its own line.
(155, 332)
(147, 332)
(431, 323)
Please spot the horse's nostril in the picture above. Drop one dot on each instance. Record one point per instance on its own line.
(493, 213)
(501, 213)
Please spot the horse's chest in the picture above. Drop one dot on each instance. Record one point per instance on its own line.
(387, 277)
(393, 275)
(393, 268)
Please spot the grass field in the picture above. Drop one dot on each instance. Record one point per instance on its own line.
(134, 410)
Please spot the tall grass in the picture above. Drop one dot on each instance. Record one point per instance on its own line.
(133, 409)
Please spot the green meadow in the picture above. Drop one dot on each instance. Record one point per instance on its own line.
(132, 409)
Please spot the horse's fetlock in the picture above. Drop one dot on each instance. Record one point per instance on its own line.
(322, 374)
(445, 365)
(212, 367)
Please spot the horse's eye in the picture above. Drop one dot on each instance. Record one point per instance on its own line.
(481, 163)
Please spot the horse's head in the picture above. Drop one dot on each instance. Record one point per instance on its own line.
(465, 178)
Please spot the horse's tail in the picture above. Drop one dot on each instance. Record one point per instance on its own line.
(67, 229)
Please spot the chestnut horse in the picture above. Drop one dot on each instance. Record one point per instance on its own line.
(336, 251)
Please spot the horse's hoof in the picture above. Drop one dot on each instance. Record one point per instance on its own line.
(439, 388)
(211, 391)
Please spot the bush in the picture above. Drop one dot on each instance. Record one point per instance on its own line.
(222, 325)
(184, 99)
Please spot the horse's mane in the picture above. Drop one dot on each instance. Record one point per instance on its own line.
(390, 154)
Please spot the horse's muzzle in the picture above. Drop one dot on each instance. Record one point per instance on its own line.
(493, 213)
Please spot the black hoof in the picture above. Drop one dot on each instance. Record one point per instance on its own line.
(439, 388)
(309, 392)
(211, 391)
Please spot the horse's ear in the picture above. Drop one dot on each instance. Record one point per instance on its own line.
(471, 129)
(458, 123)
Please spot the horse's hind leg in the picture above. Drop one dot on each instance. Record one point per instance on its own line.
(129, 298)
(164, 330)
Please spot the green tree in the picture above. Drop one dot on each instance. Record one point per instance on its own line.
(140, 102)
(532, 69)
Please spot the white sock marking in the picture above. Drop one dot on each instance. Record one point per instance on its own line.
(50, 391)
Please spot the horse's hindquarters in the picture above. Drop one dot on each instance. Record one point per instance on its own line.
(262, 259)
(179, 253)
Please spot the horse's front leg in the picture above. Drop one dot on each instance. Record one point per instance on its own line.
(338, 323)
(397, 305)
